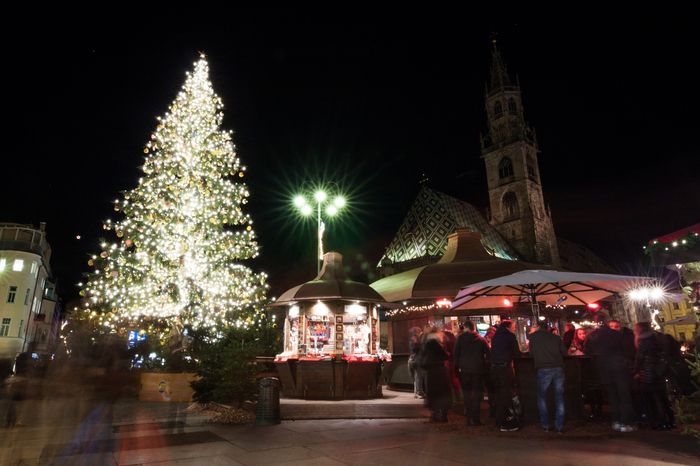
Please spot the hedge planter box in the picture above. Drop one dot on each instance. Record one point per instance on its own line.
(166, 387)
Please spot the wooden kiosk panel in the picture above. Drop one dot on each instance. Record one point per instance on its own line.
(361, 379)
(288, 375)
(315, 379)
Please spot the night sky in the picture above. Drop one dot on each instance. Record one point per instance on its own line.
(371, 97)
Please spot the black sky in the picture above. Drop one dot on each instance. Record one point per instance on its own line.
(368, 96)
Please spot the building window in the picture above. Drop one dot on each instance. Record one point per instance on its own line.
(43, 282)
(35, 269)
(681, 336)
(505, 168)
(5, 327)
(531, 171)
(18, 265)
(26, 297)
(675, 306)
(498, 109)
(2, 264)
(21, 325)
(510, 206)
(512, 107)
(11, 294)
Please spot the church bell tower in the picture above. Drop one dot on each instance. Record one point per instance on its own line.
(515, 191)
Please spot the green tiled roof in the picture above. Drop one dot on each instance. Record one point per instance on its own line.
(432, 217)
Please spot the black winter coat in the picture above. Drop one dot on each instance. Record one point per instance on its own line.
(546, 349)
(434, 362)
(504, 347)
(471, 353)
(649, 357)
(609, 348)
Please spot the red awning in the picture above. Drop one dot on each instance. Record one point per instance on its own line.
(677, 234)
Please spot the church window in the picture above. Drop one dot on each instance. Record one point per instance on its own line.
(498, 109)
(512, 107)
(531, 171)
(510, 206)
(505, 167)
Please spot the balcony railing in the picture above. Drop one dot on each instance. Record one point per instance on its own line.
(16, 237)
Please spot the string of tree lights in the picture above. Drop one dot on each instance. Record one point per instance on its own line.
(179, 249)
(685, 242)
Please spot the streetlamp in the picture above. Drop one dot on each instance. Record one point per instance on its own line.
(323, 201)
(647, 296)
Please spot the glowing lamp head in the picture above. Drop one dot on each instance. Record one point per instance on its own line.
(306, 209)
(320, 196)
(331, 210)
(339, 202)
(507, 302)
(299, 201)
(656, 293)
(593, 305)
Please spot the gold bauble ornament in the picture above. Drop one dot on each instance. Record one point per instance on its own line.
(145, 151)
(240, 174)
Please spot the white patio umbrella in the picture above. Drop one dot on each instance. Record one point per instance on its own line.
(548, 286)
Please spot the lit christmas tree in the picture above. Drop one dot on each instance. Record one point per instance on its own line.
(180, 247)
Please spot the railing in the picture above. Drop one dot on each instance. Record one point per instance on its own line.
(23, 238)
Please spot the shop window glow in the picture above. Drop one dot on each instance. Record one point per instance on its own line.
(355, 309)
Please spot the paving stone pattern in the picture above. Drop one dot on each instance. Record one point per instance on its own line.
(137, 433)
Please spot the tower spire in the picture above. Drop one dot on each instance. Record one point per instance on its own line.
(499, 72)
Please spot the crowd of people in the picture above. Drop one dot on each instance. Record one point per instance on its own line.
(634, 368)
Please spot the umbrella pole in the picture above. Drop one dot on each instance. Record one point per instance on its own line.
(535, 306)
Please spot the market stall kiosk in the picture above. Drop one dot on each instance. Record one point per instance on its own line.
(331, 337)
(423, 295)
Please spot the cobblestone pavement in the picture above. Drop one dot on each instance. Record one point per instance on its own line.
(129, 432)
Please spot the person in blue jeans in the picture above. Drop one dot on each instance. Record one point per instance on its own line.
(548, 351)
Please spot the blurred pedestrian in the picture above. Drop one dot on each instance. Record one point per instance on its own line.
(568, 336)
(610, 352)
(448, 342)
(471, 354)
(652, 369)
(548, 352)
(414, 363)
(504, 347)
(434, 360)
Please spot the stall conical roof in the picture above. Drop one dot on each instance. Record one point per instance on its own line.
(465, 262)
(331, 283)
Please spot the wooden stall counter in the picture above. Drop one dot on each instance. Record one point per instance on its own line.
(327, 378)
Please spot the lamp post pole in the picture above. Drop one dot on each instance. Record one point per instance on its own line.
(319, 252)
(319, 196)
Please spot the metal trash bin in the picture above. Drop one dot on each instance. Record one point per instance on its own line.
(268, 411)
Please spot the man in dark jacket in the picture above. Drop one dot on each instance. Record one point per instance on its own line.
(471, 353)
(609, 349)
(504, 347)
(568, 336)
(548, 351)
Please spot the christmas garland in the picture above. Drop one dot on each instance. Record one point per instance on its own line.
(685, 242)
